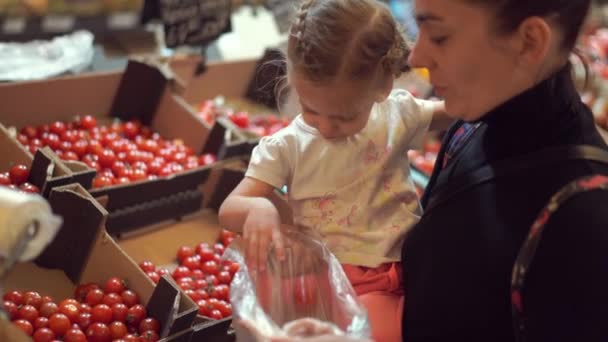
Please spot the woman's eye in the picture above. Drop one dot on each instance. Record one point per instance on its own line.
(439, 40)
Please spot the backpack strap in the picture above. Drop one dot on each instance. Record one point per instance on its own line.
(528, 249)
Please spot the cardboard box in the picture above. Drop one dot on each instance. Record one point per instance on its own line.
(144, 92)
(83, 252)
(46, 170)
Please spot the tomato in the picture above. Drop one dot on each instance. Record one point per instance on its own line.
(130, 298)
(131, 129)
(82, 290)
(59, 323)
(14, 296)
(71, 310)
(28, 313)
(197, 274)
(184, 252)
(203, 307)
(90, 161)
(241, 119)
(224, 277)
(47, 299)
(210, 267)
(32, 298)
(48, 309)
(216, 314)
(84, 320)
(88, 122)
(41, 322)
(120, 312)
(29, 188)
(101, 314)
(25, 326)
(52, 140)
(181, 272)
(154, 277)
(121, 181)
(19, 174)
(155, 166)
(186, 283)
(201, 293)
(221, 292)
(111, 299)
(118, 330)
(58, 127)
(219, 249)
(30, 132)
(107, 158)
(233, 268)
(225, 308)
(212, 280)
(95, 147)
(163, 271)
(85, 308)
(206, 254)
(136, 314)
(11, 309)
(193, 262)
(102, 182)
(44, 335)
(5, 179)
(138, 175)
(225, 235)
(74, 335)
(80, 148)
(131, 338)
(94, 297)
(99, 332)
(149, 324)
(149, 336)
(201, 283)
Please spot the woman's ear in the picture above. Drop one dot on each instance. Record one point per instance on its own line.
(535, 38)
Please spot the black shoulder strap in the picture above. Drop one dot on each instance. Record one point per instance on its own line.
(516, 165)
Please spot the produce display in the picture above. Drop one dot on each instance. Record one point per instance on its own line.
(594, 47)
(97, 313)
(16, 178)
(260, 124)
(121, 152)
(202, 275)
(424, 160)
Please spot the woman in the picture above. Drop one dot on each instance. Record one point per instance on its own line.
(502, 67)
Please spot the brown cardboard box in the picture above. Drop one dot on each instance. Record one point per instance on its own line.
(144, 92)
(86, 253)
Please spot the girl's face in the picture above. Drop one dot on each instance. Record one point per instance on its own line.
(471, 67)
(335, 110)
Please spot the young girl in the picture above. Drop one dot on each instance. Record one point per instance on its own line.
(344, 158)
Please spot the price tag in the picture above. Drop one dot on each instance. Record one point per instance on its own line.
(123, 21)
(194, 21)
(58, 23)
(13, 25)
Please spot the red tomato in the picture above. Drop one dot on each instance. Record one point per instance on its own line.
(201, 283)
(207, 159)
(101, 314)
(14, 296)
(71, 310)
(224, 277)
(32, 298)
(74, 335)
(59, 323)
(5, 179)
(153, 276)
(136, 314)
(11, 309)
(41, 322)
(52, 140)
(30, 132)
(181, 272)
(82, 290)
(233, 268)
(225, 308)
(25, 326)
(206, 254)
(88, 122)
(80, 148)
(184, 252)
(149, 324)
(149, 336)
(111, 299)
(94, 297)
(186, 283)
(28, 313)
(138, 175)
(201, 293)
(98, 332)
(29, 188)
(131, 338)
(241, 119)
(95, 147)
(226, 237)
(19, 174)
(221, 292)
(212, 280)
(107, 158)
(216, 314)
(130, 298)
(198, 274)
(48, 309)
(219, 248)
(102, 182)
(84, 320)
(58, 127)
(203, 307)
(193, 262)
(210, 267)
(120, 312)
(85, 308)
(44, 335)
(118, 330)
(131, 129)
(163, 271)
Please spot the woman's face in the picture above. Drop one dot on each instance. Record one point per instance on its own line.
(471, 67)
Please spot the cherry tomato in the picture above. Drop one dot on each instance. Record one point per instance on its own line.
(233, 268)
(136, 314)
(107, 158)
(241, 119)
(30, 132)
(138, 175)
(149, 324)
(74, 335)
(28, 313)
(131, 129)
(32, 298)
(5, 179)
(216, 314)
(149, 336)
(44, 335)
(163, 271)
(207, 159)
(95, 147)
(186, 283)
(48, 309)
(206, 254)
(147, 266)
(85, 308)
(14, 296)
(102, 182)
(19, 174)
(118, 330)
(58, 127)
(225, 308)
(11, 309)
(224, 277)
(222, 292)
(80, 148)
(181, 272)
(71, 310)
(193, 262)
(47, 299)
(219, 249)
(184, 252)
(120, 312)
(226, 236)
(41, 322)
(84, 320)
(210, 267)
(155, 277)
(98, 332)
(94, 297)
(71, 156)
(212, 280)
(198, 274)
(25, 326)
(201, 293)
(131, 338)
(101, 314)
(111, 299)
(59, 323)
(129, 298)
(88, 122)
(82, 290)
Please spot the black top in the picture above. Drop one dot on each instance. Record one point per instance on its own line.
(458, 259)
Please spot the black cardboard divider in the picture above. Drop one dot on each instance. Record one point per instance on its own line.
(240, 145)
(171, 207)
(228, 180)
(216, 331)
(45, 158)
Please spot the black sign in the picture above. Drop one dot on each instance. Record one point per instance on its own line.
(194, 22)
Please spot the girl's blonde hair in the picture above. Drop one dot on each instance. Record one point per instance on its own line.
(346, 40)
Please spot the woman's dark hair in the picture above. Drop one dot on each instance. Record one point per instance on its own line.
(568, 14)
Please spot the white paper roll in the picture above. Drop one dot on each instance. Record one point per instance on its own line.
(18, 212)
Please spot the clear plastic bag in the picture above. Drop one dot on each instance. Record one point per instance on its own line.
(308, 283)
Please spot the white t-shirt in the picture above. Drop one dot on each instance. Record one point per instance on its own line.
(356, 192)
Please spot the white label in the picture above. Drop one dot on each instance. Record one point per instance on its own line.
(122, 21)
(58, 23)
(13, 25)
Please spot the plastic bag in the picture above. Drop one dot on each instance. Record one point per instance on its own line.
(42, 59)
(310, 282)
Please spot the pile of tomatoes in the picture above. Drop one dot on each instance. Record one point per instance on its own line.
(202, 275)
(259, 124)
(16, 178)
(121, 152)
(425, 160)
(95, 314)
